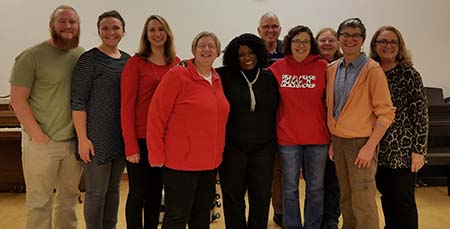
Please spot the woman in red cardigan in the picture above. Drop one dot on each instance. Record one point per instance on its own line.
(186, 135)
(141, 76)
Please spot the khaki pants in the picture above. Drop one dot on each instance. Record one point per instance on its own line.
(47, 167)
(357, 185)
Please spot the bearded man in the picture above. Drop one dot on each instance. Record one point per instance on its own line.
(40, 95)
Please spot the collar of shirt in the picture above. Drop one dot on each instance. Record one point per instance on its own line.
(362, 59)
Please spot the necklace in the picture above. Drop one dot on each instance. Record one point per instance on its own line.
(250, 88)
(152, 63)
(154, 71)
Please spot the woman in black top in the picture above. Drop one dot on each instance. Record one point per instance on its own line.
(250, 138)
(96, 117)
(403, 146)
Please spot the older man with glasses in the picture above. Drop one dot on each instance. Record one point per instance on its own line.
(269, 30)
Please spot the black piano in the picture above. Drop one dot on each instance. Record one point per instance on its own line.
(437, 169)
(11, 175)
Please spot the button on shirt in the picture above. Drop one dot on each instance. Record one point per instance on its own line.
(345, 79)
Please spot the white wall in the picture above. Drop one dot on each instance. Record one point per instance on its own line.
(424, 24)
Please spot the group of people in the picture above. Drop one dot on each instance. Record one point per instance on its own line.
(276, 110)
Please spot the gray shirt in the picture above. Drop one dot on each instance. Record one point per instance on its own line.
(345, 79)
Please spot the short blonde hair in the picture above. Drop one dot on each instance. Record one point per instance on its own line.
(205, 34)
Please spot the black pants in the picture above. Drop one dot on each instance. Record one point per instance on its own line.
(145, 191)
(331, 209)
(247, 167)
(397, 197)
(189, 196)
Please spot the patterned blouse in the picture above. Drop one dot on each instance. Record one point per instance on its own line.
(409, 131)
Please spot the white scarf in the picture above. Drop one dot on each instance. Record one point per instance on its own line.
(250, 88)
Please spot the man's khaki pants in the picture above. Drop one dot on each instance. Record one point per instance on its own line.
(47, 167)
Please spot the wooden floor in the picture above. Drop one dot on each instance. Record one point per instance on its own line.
(433, 204)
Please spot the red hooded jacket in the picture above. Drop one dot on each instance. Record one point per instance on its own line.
(186, 121)
(301, 115)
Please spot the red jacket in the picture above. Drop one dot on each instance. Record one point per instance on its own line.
(301, 115)
(186, 121)
(138, 83)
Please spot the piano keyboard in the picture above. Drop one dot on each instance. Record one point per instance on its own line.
(10, 129)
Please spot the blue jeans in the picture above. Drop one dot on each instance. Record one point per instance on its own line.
(314, 158)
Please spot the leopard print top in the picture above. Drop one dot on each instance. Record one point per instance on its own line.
(408, 133)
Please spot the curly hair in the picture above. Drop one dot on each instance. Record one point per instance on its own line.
(255, 43)
(287, 41)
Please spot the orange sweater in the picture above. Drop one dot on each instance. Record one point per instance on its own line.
(369, 102)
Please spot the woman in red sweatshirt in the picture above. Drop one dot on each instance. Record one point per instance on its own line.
(140, 77)
(302, 132)
(186, 135)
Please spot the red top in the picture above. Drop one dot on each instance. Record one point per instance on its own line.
(301, 115)
(139, 81)
(186, 121)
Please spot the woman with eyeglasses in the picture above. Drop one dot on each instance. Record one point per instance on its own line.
(186, 135)
(359, 111)
(302, 133)
(250, 146)
(403, 147)
(329, 50)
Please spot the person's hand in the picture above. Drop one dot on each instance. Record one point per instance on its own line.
(134, 158)
(158, 165)
(85, 149)
(417, 162)
(331, 152)
(365, 156)
(40, 138)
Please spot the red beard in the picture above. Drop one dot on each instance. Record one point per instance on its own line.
(62, 43)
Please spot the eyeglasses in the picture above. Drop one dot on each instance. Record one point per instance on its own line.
(355, 36)
(204, 46)
(385, 43)
(300, 42)
(329, 41)
(267, 27)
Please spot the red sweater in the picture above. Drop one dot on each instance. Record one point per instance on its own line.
(139, 81)
(301, 115)
(186, 121)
